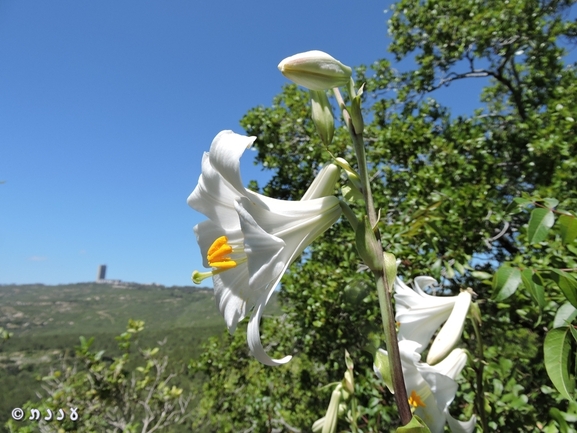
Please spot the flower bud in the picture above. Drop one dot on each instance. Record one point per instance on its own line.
(322, 114)
(315, 70)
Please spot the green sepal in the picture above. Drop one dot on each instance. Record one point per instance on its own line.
(416, 425)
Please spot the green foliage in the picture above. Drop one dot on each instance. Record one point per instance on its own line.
(128, 393)
(442, 185)
(545, 261)
(46, 322)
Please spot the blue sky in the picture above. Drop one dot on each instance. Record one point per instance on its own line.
(106, 108)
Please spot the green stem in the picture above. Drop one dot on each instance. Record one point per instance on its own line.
(354, 415)
(383, 290)
(479, 367)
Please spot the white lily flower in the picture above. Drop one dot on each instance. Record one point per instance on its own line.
(432, 388)
(250, 240)
(420, 315)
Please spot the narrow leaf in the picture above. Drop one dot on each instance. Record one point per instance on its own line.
(567, 284)
(536, 291)
(460, 268)
(568, 226)
(505, 282)
(449, 272)
(480, 275)
(557, 415)
(539, 224)
(556, 350)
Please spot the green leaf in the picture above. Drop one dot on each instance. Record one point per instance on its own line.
(568, 227)
(505, 282)
(449, 272)
(567, 284)
(557, 415)
(565, 315)
(416, 425)
(460, 268)
(521, 201)
(539, 224)
(550, 202)
(556, 350)
(535, 290)
(480, 275)
(518, 203)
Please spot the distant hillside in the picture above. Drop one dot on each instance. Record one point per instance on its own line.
(47, 321)
(87, 308)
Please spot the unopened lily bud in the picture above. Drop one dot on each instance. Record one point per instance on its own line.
(330, 423)
(324, 183)
(315, 70)
(322, 114)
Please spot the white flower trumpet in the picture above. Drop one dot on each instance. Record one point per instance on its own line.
(420, 315)
(432, 388)
(250, 240)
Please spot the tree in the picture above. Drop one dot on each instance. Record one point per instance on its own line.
(99, 393)
(443, 185)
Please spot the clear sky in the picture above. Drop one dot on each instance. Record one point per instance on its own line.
(107, 106)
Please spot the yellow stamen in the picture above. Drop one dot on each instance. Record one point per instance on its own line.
(225, 263)
(218, 242)
(415, 400)
(218, 254)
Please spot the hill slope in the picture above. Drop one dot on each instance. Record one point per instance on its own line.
(47, 321)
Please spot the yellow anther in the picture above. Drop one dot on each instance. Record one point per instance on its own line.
(218, 254)
(224, 264)
(415, 400)
(216, 245)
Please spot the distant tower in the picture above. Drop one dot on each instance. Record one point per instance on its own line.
(101, 275)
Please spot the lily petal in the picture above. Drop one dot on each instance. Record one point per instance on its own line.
(418, 313)
(253, 336)
(457, 426)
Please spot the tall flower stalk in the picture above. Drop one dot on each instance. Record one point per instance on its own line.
(384, 287)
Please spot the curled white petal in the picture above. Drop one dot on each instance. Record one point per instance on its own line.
(253, 336)
(451, 331)
(420, 314)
